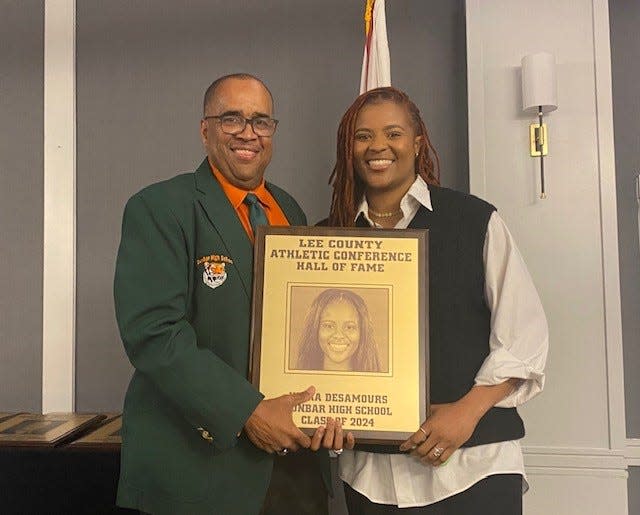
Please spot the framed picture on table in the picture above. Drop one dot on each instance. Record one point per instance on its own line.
(48, 430)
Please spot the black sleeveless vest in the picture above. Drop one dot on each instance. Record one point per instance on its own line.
(459, 319)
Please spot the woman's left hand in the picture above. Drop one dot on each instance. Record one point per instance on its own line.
(332, 437)
(448, 427)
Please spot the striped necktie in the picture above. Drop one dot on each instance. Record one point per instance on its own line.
(257, 215)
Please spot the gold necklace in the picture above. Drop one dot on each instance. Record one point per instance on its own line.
(388, 214)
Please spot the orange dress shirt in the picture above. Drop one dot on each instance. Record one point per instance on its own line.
(236, 196)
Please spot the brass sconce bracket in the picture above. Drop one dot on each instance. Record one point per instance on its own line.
(538, 140)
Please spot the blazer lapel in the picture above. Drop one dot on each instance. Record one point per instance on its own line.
(223, 217)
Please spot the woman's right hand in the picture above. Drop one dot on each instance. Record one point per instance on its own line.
(450, 425)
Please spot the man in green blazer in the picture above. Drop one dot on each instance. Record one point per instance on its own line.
(198, 438)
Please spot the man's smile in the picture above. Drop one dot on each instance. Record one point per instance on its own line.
(245, 154)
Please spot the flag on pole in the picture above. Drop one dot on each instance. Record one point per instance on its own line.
(376, 65)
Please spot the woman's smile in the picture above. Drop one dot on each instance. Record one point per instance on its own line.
(379, 164)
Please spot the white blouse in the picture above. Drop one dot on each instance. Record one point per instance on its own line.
(518, 345)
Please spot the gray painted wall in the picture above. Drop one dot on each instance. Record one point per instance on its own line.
(142, 68)
(634, 490)
(625, 69)
(21, 203)
(624, 17)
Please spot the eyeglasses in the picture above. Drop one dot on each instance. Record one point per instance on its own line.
(235, 124)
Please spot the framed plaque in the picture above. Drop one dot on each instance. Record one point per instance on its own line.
(106, 436)
(7, 416)
(344, 310)
(47, 430)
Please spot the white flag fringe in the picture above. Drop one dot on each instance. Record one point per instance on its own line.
(376, 64)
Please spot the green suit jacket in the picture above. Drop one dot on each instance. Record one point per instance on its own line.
(189, 343)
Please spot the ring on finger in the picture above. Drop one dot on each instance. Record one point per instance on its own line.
(338, 452)
(437, 451)
(282, 452)
(423, 432)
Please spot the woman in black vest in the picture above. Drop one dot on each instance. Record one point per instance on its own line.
(488, 332)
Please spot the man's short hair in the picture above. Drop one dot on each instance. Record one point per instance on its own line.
(211, 90)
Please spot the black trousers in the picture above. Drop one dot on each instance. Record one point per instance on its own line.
(296, 486)
(500, 494)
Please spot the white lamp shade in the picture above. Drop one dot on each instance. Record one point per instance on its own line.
(539, 87)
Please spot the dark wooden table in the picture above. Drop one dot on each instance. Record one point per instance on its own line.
(60, 480)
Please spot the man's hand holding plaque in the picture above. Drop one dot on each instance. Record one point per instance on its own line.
(271, 428)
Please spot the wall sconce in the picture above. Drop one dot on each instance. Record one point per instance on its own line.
(539, 95)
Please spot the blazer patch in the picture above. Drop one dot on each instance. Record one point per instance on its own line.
(214, 273)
